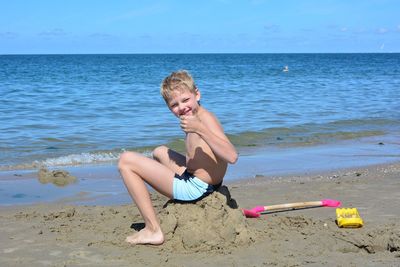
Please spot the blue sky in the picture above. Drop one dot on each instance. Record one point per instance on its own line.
(204, 26)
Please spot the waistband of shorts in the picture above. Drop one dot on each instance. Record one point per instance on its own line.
(186, 175)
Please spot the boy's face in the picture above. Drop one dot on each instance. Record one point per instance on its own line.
(184, 102)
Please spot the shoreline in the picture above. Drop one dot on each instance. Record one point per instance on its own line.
(247, 146)
(61, 234)
(101, 184)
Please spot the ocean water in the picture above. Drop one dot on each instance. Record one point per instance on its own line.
(61, 110)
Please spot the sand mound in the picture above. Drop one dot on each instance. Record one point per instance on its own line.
(213, 223)
(56, 177)
(394, 241)
(384, 238)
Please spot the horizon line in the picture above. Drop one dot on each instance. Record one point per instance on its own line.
(190, 53)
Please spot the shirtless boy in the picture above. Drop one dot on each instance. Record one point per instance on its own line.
(186, 178)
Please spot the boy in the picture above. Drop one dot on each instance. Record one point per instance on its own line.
(186, 178)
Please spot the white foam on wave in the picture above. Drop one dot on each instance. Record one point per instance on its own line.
(83, 158)
(72, 160)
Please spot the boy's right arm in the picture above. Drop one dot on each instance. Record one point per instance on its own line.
(213, 134)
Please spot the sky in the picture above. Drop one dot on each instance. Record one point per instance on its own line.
(203, 26)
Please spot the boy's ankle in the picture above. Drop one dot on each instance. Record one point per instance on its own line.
(153, 227)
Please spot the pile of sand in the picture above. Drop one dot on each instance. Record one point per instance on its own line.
(213, 223)
(56, 177)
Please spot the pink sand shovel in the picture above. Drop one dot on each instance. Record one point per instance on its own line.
(258, 210)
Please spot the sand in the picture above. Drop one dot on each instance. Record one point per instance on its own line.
(213, 231)
(57, 177)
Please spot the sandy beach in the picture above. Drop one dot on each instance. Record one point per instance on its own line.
(212, 233)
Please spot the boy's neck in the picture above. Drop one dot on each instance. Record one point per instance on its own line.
(200, 110)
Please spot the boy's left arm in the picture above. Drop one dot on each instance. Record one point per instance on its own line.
(212, 133)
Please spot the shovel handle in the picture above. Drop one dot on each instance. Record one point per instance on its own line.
(296, 205)
(255, 212)
(299, 205)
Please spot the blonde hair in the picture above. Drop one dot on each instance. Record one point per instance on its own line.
(177, 81)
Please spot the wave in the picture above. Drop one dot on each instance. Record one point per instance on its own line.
(316, 133)
(295, 136)
(71, 160)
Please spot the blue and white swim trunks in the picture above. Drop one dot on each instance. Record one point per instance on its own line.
(187, 187)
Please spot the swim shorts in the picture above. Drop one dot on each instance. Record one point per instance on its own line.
(187, 187)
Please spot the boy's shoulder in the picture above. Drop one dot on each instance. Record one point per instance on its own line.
(206, 114)
(210, 118)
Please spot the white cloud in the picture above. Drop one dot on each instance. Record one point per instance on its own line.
(337, 28)
(360, 31)
(100, 35)
(382, 30)
(272, 28)
(8, 35)
(53, 32)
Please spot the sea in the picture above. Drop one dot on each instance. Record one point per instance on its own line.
(79, 110)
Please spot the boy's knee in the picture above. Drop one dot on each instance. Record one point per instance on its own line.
(159, 152)
(126, 159)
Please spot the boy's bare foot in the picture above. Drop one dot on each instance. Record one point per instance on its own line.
(146, 236)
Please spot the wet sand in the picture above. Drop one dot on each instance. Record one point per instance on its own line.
(213, 232)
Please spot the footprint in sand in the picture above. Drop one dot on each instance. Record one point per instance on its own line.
(9, 250)
(55, 253)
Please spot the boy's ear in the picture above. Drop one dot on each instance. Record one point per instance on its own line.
(198, 95)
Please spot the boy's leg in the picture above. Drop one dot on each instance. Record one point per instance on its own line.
(170, 158)
(137, 169)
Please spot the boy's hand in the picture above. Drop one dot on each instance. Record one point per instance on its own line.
(190, 123)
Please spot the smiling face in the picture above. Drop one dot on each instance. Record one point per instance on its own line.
(184, 102)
